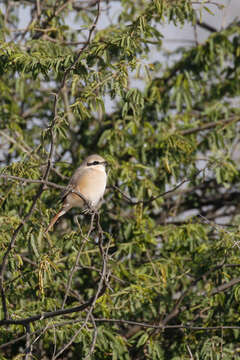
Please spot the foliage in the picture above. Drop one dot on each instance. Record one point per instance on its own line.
(157, 277)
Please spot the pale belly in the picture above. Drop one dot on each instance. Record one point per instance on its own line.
(93, 188)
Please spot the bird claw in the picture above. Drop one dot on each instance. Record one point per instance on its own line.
(86, 211)
(89, 210)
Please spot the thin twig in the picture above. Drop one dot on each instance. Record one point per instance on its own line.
(209, 125)
(17, 144)
(206, 26)
(28, 350)
(190, 353)
(94, 338)
(74, 268)
(55, 342)
(83, 47)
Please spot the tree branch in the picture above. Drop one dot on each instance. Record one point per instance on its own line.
(210, 125)
(206, 26)
(53, 314)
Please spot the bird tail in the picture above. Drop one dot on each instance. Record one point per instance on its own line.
(56, 217)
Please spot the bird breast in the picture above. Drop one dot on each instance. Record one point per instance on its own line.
(92, 184)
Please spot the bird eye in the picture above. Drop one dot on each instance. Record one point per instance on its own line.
(96, 163)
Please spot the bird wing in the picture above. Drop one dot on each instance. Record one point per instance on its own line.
(72, 183)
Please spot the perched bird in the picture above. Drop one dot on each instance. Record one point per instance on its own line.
(90, 181)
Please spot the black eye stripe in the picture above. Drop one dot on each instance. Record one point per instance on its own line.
(93, 163)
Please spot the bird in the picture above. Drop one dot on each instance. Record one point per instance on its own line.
(90, 180)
